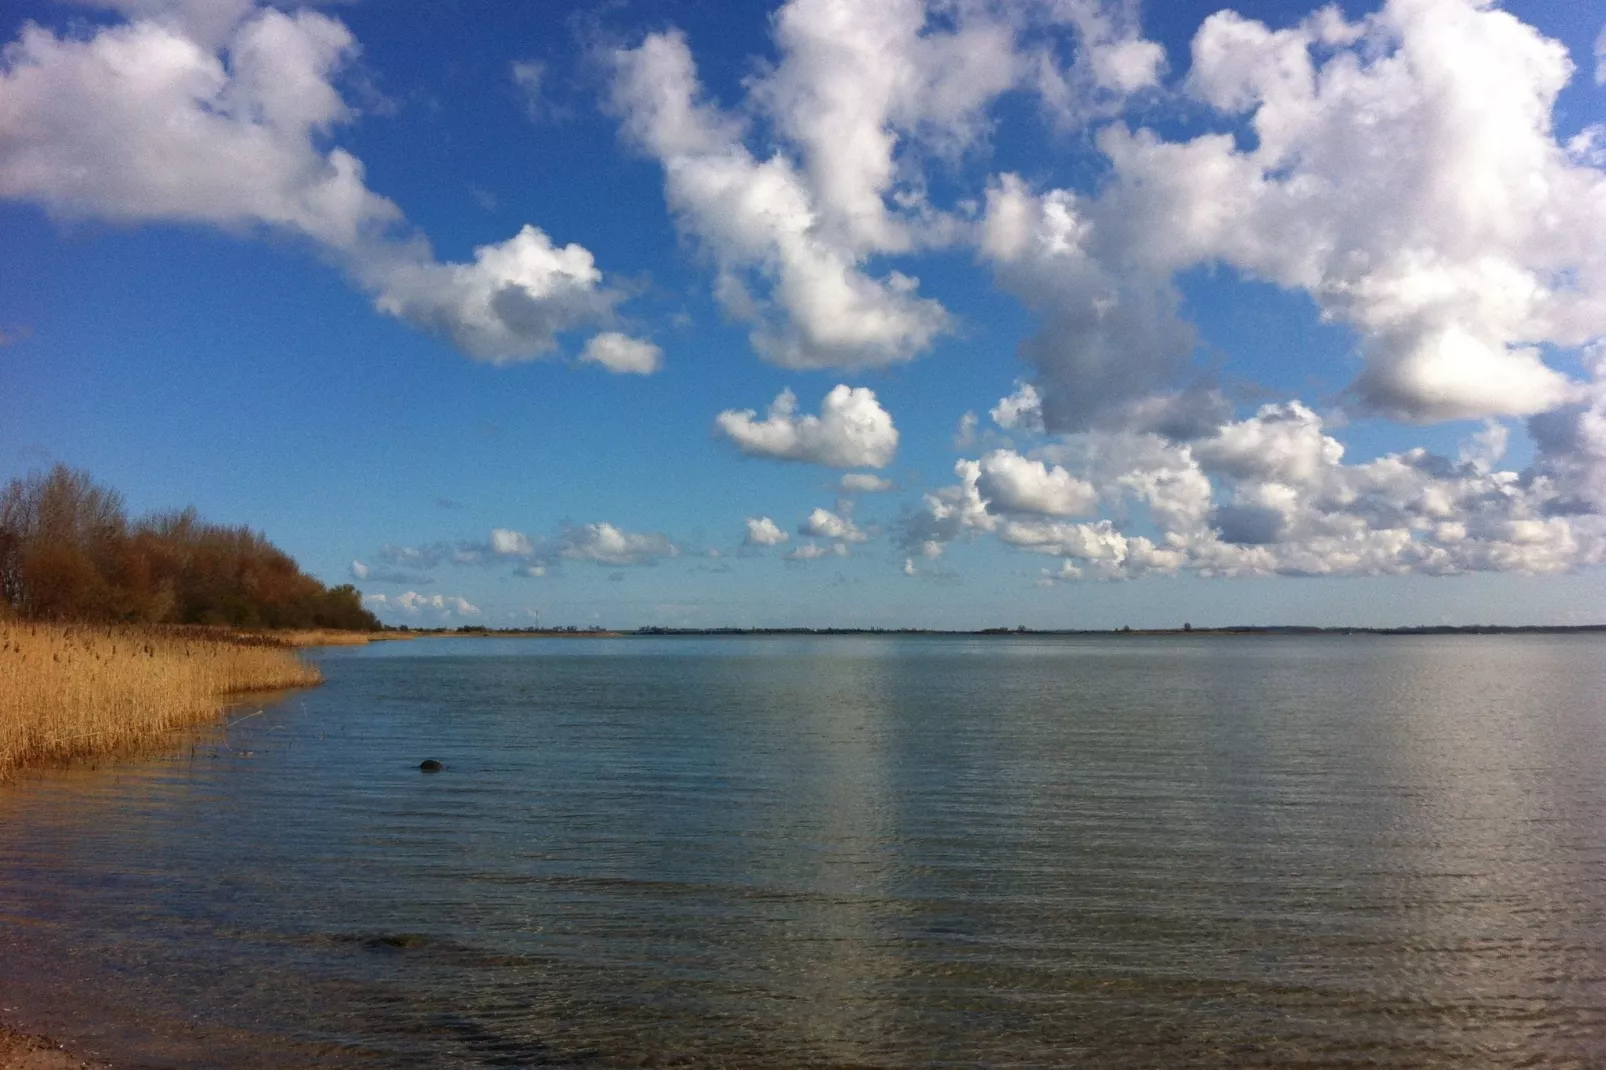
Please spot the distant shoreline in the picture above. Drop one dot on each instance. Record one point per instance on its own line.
(1001, 633)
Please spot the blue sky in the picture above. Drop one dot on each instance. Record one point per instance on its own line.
(1138, 315)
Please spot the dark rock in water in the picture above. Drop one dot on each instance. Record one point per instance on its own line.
(430, 765)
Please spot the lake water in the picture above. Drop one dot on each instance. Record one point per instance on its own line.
(844, 852)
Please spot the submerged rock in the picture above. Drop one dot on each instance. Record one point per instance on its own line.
(430, 765)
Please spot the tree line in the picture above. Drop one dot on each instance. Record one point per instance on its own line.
(69, 552)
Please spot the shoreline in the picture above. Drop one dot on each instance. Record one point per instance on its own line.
(1185, 632)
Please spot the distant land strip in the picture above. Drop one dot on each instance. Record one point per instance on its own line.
(475, 631)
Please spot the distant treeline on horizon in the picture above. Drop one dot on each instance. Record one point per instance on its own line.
(68, 552)
(1236, 629)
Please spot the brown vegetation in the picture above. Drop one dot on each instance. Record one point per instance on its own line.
(68, 552)
(114, 633)
(75, 690)
(320, 637)
(295, 637)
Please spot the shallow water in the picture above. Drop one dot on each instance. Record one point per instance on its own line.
(845, 852)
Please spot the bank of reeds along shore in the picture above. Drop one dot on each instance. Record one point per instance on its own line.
(327, 637)
(72, 691)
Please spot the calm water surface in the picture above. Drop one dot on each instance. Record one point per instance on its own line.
(875, 852)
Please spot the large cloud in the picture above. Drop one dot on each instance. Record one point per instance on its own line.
(218, 115)
(510, 304)
(760, 214)
(852, 430)
(1410, 180)
(1112, 328)
(1403, 170)
(1270, 494)
(861, 92)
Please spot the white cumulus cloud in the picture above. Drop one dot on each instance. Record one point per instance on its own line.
(860, 96)
(760, 216)
(509, 305)
(1022, 410)
(824, 524)
(1282, 443)
(852, 430)
(1402, 170)
(604, 544)
(1407, 176)
(622, 354)
(510, 543)
(1013, 483)
(221, 115)
(762, 531)
(1271, 495)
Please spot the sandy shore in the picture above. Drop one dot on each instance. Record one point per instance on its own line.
(20, 1051)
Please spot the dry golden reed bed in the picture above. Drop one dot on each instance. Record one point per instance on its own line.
(69, 691)
(312, 637)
